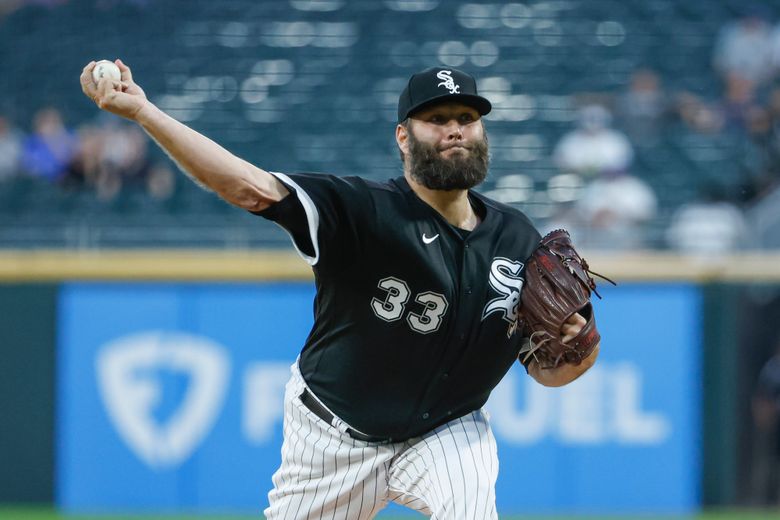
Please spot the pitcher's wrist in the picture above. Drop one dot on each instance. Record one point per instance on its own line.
(146, 114)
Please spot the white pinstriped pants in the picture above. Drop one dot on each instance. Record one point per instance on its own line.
(449, 473)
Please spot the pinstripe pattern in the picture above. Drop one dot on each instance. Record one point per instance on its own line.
(449, 473)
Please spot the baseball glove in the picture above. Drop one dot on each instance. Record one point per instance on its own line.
(558, 283)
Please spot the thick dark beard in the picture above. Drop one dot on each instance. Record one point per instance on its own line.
(433, 171)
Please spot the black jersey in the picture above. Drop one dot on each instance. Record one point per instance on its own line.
(415, 321)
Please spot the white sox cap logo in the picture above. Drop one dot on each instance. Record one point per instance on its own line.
(448, 82)
(504, 278)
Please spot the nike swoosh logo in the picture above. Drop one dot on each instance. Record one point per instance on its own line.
(429, 240)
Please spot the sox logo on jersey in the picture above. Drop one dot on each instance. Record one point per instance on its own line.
(447, 81)
(505, 279)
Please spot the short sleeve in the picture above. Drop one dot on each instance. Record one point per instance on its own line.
(325, 218)
(291, 216)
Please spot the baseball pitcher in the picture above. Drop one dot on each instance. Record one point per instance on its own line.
(427, 294)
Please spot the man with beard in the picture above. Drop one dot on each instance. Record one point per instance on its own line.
(416, 317)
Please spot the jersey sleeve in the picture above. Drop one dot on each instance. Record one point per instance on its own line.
(290, 214)
(323, 215)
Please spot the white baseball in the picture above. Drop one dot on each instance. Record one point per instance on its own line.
(106, 69)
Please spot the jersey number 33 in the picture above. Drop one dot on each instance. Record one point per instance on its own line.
(393, 307)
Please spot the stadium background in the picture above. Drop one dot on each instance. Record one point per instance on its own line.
(312, 86)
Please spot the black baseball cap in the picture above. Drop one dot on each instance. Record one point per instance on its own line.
(440, 84)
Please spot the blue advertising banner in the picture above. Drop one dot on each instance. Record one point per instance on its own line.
(625, 437)
(170, 398)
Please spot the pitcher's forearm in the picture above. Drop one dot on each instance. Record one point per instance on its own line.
(231, 177)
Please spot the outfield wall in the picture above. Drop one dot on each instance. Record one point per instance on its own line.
(633, 425)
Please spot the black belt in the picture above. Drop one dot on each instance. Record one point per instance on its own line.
(320, 411)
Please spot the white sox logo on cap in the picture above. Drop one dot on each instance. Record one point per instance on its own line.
(447, 81)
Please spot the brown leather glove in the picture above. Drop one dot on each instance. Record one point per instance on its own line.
(558, 283)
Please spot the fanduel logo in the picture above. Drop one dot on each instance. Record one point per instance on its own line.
(604, 405)
(162, 391)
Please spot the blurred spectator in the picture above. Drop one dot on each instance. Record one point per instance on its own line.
(698, 115)
(160, 182)
(84, 163)
(593, 149)
(763, 216)
(739, 100)
(773, 143)
(124, 158)
(614, 208)
(113, 158)
(776, 49)
(711, 226)
(10, 149)
(759, 155)
(48, 151)
(643, 109)
(765, 406)
(744, 47)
